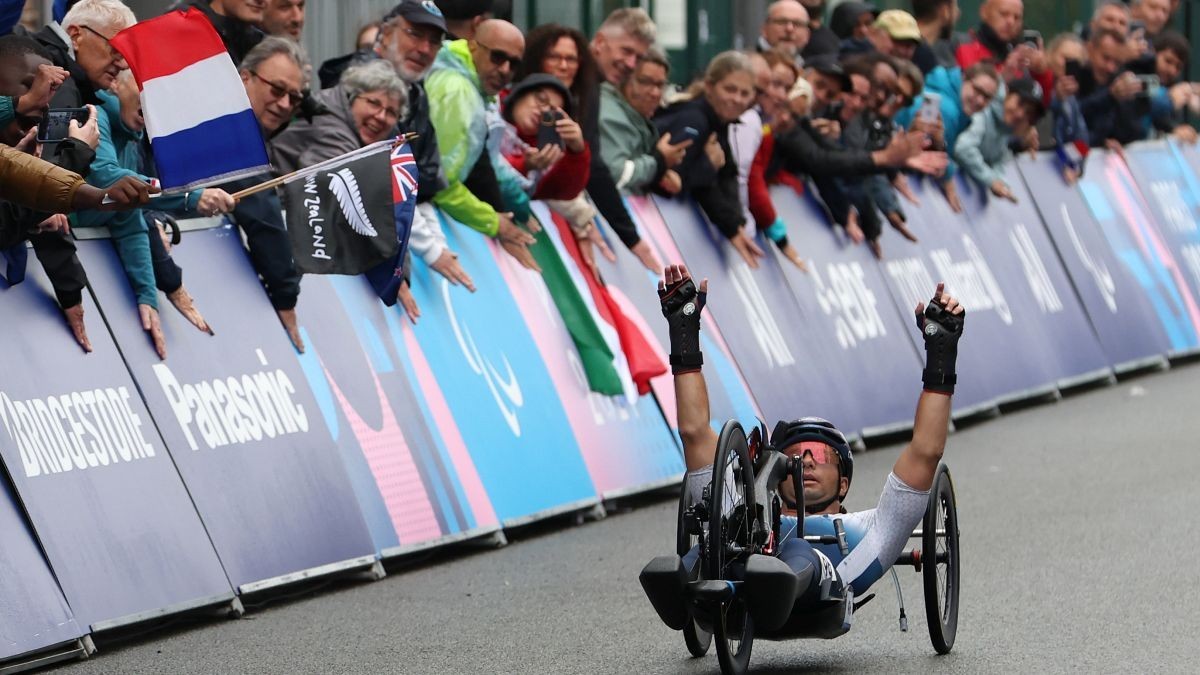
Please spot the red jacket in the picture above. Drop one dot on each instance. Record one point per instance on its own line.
(565, 179)
(970, 53)
(758, 192)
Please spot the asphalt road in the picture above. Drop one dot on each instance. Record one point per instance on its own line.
(1080, 538)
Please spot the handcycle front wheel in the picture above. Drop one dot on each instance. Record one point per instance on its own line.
(696, 638)
(940, 562)
(730, 537)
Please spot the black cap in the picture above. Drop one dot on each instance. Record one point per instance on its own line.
(457, 10)
(532, 83)
(845, 17)
(827, 64)
(420, 12)
(1030, 93)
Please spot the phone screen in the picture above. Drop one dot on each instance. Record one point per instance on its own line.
(56, 122)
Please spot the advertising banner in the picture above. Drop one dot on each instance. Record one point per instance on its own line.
(87, 462)
(415, 485)
(1054, 330)
(992, 361)
(1171, 192)
(238, 417)
(859, 334)
(759, 317)
(647, 454)
(1120, 209)
(33, 615)
(636, 290)
(1107, 285)
(475, 352)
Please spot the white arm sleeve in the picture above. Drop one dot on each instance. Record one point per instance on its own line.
(426, 238)
(887, 532)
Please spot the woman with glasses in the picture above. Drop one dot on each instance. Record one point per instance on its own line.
(364, 108)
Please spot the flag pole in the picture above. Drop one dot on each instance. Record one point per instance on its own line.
(276, 182)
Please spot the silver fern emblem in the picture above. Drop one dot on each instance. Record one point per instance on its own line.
(344, 187)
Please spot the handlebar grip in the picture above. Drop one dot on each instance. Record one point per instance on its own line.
(840, 532)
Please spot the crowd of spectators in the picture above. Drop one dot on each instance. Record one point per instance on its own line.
(849, 106)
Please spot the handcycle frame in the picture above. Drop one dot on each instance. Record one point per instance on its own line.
(737, 530)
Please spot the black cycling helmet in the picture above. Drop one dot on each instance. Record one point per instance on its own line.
(816, 429)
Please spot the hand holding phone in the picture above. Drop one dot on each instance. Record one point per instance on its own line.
(931, 108)
(548, 130)
(56, 123)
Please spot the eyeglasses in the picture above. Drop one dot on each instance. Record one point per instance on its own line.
(433, 39)
(499, 57)
(648, 82)
(820, 453)
(789, 23)
(987, 94)
(280, 91)
(564, 59)
(378, 106)
(112, 53)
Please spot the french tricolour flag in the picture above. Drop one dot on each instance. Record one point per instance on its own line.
(197, 114)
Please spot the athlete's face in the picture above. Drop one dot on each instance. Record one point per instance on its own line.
(822, 480)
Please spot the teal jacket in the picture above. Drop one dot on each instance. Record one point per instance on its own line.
(458, 109)
(118, 155)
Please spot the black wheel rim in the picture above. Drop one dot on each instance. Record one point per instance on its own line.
(729, 536)
(941, 560)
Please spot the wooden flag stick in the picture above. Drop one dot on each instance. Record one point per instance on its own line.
(276, 182)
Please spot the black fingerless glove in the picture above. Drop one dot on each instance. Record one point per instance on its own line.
(681, 304)
(941, 331)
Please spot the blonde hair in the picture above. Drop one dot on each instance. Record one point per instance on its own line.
(725, 64)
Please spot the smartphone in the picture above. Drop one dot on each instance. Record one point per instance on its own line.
(690, 133)
(548, 131)
(1150, 84)
(1031, 37)
(1073, 68)
(931, 108)
(56, 122)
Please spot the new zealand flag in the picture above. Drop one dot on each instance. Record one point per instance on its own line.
(385, 277)
(352, 215)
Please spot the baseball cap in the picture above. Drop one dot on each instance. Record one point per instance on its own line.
(420, 12)
(532, 83)
(458, 10)
(899, 24)
(827, 64)
(1030, 92)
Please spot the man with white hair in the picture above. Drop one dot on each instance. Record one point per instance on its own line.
(786, 28)
(623, 39)
(80, 45)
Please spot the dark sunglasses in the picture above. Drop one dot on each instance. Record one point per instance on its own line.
(499, 57)
(279, 91)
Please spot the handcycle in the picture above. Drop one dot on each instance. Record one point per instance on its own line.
(737, 529)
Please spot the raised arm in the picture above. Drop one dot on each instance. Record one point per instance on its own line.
(941, 325)
(682, 304)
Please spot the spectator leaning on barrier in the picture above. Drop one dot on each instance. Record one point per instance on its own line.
(1111, 98)
(785, 28)
(624, 37)
(273, 75)
(960, 95)
(638, 157)
(1171, 54)
(140, 246)
(284, 18)
(983, 148)
(1068, 58)
(466, 76)
(708, 170)
(563, 52)
(935, 20)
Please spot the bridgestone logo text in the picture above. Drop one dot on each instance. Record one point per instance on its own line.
(76, 431)
(234, 410)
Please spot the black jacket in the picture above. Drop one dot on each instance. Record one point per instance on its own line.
(239, 37)
(716, 190)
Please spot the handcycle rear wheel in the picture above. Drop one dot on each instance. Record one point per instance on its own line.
(940, 562)
(731, 517)
(696, 638)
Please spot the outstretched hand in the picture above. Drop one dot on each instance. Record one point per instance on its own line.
(676, 289)
(943, 310)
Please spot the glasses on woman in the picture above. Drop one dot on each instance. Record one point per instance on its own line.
(376, 106)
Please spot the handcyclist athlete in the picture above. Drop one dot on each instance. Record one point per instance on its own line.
(875, 537)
